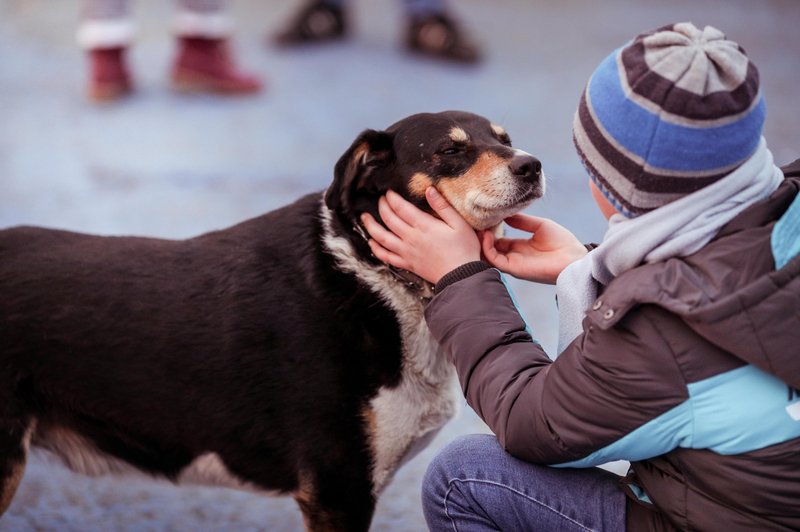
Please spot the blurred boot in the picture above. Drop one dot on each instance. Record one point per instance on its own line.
(437, 35)
(319, 21)
(109, 78)
(205, 64)
(105, 33)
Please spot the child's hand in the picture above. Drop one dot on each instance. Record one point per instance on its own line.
(419, 242)
(540, 258)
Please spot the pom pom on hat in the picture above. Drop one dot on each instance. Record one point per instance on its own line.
(672, 111)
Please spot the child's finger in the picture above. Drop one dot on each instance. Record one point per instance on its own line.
(385, 238)
(406, 211)
(490, 252)
(442, 207)
(525, 222)
(387, 256)
(393, 221)
(503, 245)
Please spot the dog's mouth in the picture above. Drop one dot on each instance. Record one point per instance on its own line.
(485, 215)
(527, 197)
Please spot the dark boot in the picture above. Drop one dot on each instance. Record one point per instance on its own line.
(437, 35)
(206, 65)
(108, 75)
(316, 22)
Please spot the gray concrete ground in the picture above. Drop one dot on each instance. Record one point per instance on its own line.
(168, 165)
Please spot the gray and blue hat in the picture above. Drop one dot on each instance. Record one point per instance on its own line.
(671, 112)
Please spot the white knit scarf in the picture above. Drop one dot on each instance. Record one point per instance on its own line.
(676, 229)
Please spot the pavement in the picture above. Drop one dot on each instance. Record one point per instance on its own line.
(169, 165)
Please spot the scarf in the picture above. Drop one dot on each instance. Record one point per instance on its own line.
(676, 229)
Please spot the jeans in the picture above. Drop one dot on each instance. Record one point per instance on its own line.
(473, 484)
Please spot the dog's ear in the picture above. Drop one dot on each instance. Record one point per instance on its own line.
(370, 151)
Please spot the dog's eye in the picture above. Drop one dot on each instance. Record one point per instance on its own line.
(451, 150)
(505, 139)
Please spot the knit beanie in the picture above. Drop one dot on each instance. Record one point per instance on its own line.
(672, 111)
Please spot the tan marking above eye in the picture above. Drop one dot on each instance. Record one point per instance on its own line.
(418, 184)
(499, 131)
(458, 135)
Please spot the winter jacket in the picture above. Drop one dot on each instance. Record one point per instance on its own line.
(688, 368)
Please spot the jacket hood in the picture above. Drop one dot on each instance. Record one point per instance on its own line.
(729, 292)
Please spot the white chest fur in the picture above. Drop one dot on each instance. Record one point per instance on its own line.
(404, 418)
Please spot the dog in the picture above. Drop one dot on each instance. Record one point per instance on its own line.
(278, 355)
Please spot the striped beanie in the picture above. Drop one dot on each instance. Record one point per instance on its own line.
(672, 111)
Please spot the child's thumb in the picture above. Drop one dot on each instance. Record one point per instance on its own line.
(442, 207)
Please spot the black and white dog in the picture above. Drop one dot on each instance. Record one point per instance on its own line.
(277, 355)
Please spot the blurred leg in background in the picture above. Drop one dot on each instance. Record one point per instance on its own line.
(106, 33)
(430, 29)
(204, 60)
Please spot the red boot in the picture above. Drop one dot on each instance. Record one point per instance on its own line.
(108, 75)
(206, 65)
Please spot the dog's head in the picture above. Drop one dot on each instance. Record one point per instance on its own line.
(466, 157)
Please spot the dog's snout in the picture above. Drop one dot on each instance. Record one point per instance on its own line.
(527, 167)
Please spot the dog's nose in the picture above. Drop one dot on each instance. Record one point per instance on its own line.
(526, 167)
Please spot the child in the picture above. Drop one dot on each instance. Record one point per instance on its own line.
(675, 350)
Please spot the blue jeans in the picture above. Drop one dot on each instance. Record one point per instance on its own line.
(473, 484)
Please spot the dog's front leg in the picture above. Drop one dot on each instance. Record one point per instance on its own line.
(335, 505)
